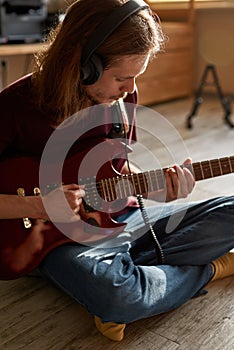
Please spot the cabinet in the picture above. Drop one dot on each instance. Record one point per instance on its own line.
(170, 75)
(15, 61)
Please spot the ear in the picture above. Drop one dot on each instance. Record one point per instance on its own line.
(92, 71)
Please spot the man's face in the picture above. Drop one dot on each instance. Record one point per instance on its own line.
(118, 80)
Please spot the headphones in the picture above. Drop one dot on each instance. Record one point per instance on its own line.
(91, 64)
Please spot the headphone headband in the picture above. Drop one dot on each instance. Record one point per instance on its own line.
(108, 26)
(91, 64)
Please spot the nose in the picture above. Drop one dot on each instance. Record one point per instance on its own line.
(129, 86)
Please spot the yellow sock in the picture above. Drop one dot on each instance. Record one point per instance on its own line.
(111, 330)
(223, 266)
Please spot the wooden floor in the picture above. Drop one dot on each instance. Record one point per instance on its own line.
(36, 316)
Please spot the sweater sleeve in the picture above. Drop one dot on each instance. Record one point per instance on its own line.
(7, 121)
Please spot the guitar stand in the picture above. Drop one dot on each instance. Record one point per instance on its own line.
(198, 97)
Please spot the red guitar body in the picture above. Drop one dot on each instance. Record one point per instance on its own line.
(22, 249)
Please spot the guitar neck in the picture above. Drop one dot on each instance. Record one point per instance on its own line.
(123, 186)
(213, 168)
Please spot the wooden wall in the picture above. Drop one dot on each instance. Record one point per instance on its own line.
(170, 75)
(215, 44)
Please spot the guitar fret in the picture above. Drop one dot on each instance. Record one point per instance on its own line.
(225, 165)
(216, 167)
(150, 175)
(154, 180)
(112, 197)
(128, 184)
(202, 171)
(107, 190)
(103, 190)
(211, 169)
(197, 171)
(123, 186)
(149, 182)
(145, 186)
(220, 167)
(132, 183)
(138, 184)
(232, 163)
(160, 179)
(206, 169)
(119, 192)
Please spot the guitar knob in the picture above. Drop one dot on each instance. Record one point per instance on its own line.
(26, 221)
(21, 192)
(36, 191)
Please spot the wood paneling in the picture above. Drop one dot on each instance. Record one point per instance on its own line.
(170, 74)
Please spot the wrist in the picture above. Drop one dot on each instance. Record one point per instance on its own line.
(33, 207)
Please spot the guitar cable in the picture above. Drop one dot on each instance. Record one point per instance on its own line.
(139, 197)
(150, 228)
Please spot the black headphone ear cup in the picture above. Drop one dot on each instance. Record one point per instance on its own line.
(92, 71)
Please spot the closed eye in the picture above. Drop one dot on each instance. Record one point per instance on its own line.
(120, 79)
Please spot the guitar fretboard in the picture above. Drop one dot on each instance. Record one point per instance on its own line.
(212, 168)
(123, 186)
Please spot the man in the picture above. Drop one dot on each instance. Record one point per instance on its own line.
(93, 57)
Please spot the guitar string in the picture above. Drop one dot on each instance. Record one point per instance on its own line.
(212, 167)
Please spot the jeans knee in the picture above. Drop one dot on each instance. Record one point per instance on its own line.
(114, 306)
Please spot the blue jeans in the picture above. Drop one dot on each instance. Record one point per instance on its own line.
(124, 281)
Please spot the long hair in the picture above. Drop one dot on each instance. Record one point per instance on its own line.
(56, 75)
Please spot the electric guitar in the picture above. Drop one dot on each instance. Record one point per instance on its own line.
(24, 243)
